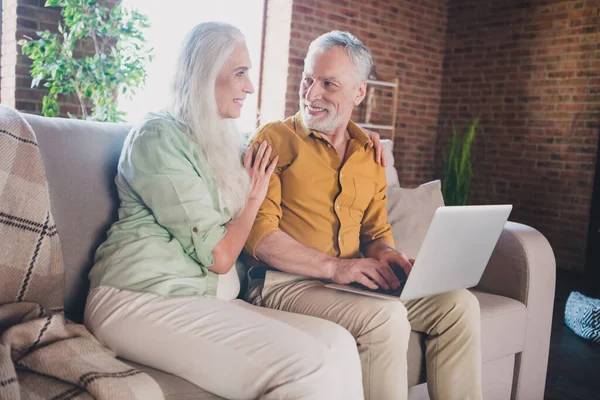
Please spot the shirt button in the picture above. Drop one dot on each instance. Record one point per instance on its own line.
(195, 230)
(337, 206)
(341, 175)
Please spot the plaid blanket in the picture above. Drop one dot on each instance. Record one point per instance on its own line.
(42, 354)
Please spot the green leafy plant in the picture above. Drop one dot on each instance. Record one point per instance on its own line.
(98, 53)
(458, 168)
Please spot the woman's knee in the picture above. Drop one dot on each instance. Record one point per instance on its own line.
(316, 372)
(336, 337)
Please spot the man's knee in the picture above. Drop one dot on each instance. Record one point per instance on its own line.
(462, 307)
(391, 318)
(468, 305)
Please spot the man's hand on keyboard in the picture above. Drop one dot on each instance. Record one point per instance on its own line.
(396, 261)
(366, 271)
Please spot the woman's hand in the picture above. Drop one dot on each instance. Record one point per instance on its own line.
(374, 141)
(259, 169)
(228, 249)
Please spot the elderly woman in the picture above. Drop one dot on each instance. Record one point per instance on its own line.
(163, 287)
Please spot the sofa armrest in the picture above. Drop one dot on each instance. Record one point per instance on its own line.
(523, 268)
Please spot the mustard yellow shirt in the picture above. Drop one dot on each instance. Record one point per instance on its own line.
(335, 207)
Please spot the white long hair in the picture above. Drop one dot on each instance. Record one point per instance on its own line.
(204, 51)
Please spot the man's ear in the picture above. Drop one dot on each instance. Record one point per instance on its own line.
(360, 93)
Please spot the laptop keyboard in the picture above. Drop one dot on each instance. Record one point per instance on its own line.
(390, 292)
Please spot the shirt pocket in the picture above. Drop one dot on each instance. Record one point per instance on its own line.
(364, 190)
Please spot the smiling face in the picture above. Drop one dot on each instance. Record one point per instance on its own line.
(330, 89)
(233, 83)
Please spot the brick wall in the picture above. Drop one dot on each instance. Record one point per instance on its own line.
(531, 71)
(23, 18)
(407, 41)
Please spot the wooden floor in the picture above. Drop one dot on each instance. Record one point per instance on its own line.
(574, 364)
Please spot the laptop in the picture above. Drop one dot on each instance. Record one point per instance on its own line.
(454, 253)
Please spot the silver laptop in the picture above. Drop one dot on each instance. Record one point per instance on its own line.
(454, 254)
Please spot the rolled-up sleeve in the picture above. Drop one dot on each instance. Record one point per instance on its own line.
(374, 226)
(161, 171)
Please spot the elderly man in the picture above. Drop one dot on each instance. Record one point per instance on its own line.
(325, 209)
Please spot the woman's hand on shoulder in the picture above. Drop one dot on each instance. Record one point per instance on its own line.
(375, 141)
(256, 163)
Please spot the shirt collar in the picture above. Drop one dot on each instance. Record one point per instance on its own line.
(354, 130)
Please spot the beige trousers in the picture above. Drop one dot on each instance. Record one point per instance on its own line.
(232, 349)
(381, 328)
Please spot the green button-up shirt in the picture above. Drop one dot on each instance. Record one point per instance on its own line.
(169, 217)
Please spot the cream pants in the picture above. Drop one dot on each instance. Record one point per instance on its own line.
(450, 321)
(232, 349)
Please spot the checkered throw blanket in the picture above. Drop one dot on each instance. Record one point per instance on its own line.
(42, 354)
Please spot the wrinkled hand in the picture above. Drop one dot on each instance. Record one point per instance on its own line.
(259, 169)
(366, 271)
(396, 260)
(374, 141)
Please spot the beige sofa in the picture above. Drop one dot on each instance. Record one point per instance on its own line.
(516, 292)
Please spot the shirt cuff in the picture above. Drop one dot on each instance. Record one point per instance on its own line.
(206, 242)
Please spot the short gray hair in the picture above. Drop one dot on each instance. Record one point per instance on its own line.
(358, 52)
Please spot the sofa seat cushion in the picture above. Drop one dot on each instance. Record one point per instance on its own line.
(503, 325)
(502, 333)
(174, 387)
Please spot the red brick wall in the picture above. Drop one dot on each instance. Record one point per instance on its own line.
(531, 71)
(407, 41)
(23, 18)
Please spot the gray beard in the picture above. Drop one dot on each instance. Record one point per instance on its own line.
(322, 125)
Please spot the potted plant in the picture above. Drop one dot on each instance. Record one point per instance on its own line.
(116, 65)
(458, 169)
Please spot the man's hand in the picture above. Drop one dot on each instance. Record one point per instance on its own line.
(366, 271)
(396, 260)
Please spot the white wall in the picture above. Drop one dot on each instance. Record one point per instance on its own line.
(171, 20)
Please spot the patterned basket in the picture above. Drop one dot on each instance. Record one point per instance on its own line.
(582, 315)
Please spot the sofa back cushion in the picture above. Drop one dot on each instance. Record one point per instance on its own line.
(410, 212)
(80, 159)
(391, 175)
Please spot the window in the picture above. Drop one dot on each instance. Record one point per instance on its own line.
(169, 25)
